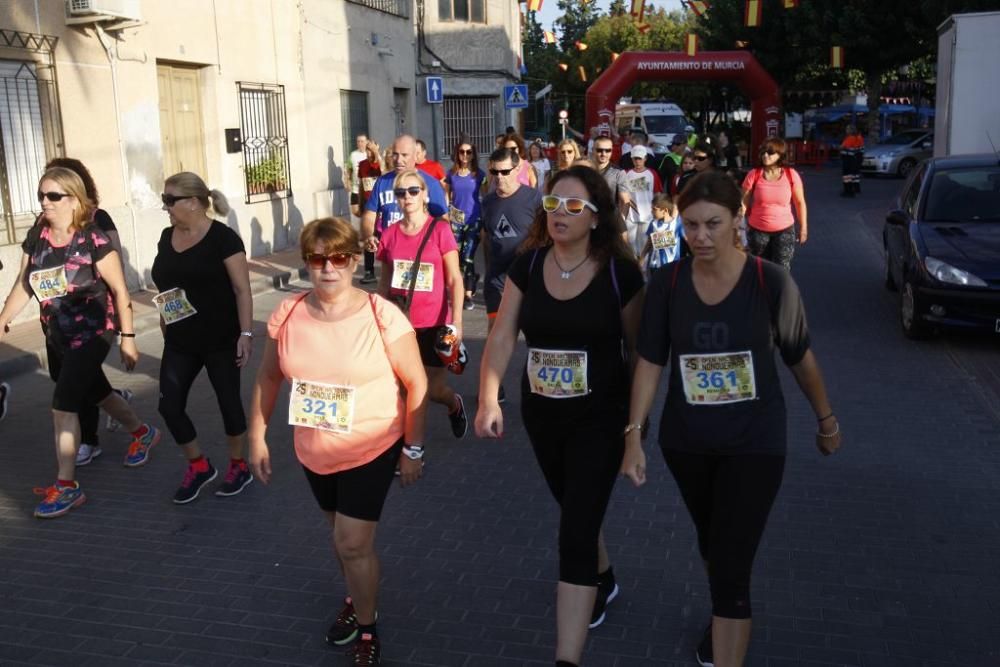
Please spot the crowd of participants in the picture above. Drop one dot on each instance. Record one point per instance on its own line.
(611, 273)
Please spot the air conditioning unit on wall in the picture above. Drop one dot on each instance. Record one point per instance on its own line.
(90, 11)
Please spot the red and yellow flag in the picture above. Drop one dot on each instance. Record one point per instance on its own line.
(583, 73)
(535, 5)
(638, 9)
(580, 46)
(614, 56)
(691, 44)
(699, 7)
(837, 57)
(789, 4)
(752, 13)
(643, 27)
(564, 67)
(550, 37)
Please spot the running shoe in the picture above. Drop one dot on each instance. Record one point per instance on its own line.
(138, 451)
(345, 629)
(192, 483)
(87, 453)
(369, 278)
(607, 590)
(703, 654)
(59, 500)
(113, 424)
(367, 651)
(4, 395)
(459, 420)
(469, 305)
(238, 477)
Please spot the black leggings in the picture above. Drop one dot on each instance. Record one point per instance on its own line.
(80, 380)
(580, 461)
(777, 247)
(729, 499)
(178, 371)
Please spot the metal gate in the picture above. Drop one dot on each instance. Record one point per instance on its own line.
(473, 118)
(30, 126)
(266, 167)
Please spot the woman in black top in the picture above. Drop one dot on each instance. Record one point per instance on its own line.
(717, 319)
(576, 293)
(206, 311)
(90, 447)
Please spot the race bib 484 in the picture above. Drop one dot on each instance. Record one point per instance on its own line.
(48, 283)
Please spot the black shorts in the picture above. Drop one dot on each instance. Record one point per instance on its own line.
(358, 492)
(78, 374)
(426, 338)
(492, 296)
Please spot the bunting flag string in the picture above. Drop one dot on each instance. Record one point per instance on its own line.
(691, 44)
(583, 73)
(580, 46)
(643, 27)
(564, 67)
(752, 13)
(790, 4)
(550, 37)
(699, 7)
(535, 5)
(837, 57)
(638, 10)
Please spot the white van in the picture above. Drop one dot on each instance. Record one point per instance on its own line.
(660, 120)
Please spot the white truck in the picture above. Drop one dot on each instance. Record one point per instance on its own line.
(661, 121)
(968, 97)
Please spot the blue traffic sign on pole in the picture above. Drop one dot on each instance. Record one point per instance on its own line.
(515, 96)
(435, 90)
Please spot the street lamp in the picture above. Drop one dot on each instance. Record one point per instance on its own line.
(563, 120)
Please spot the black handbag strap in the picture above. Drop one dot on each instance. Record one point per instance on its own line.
(416, 264)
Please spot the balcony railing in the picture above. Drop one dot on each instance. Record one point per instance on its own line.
(395, 7)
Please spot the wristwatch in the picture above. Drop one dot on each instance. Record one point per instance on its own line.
(248, 334)
(413, 452)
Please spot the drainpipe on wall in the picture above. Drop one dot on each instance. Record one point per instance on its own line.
(105, 41)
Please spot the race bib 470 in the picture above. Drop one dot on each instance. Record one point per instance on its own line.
(714, 379)
(557, 373)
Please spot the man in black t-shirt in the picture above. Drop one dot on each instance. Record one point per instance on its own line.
(507, 214)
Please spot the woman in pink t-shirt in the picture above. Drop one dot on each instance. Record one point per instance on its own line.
(357, 402)
(773, 188)
(433, 297)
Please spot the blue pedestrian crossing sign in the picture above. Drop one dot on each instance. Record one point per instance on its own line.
(435, 90)
(515, 96)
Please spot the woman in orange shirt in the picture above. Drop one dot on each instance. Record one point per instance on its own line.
(357, 412)
(851, 152)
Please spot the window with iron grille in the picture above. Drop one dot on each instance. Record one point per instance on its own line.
(473, 118)
(265, 141)
(30, 128)
(394, 7)
(470, 11)
(353, 119)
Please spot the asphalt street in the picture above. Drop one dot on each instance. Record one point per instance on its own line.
(886, 554)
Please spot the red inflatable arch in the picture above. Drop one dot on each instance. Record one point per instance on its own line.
(736, 67)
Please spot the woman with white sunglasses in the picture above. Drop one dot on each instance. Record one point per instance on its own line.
(577, 294)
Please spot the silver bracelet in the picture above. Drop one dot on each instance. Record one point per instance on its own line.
(829, 435)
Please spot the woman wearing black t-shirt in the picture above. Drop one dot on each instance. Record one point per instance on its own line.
(576, 293)
(206, 311)
(717, 319)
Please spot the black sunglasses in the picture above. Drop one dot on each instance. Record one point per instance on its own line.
(700, 158)
(170, 200)
(52, 196)
(501, 172)
(463, 151)
(340, 260)
(769, 151)
(602, 150)
(413, 191)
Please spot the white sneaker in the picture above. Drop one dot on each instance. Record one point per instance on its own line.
(86, 454)
(113, 424)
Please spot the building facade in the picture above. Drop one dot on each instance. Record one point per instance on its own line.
(262, 98)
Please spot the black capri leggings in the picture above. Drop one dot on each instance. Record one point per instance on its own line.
(80, 380)
(178, 371)
(777, 247)
(729, 498)
(580, 461)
